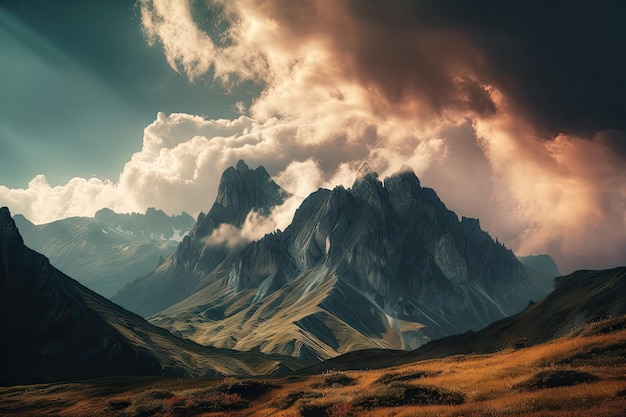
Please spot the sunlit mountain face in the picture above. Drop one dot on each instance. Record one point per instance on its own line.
(416, 174)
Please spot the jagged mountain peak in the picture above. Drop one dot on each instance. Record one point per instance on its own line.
(375, 265)
(404, 175)
(8, 229)
(368, 187)
(364, 171)
(242, 166)
(104, 213)
(240, 191)
(107, 251)
(151, 211)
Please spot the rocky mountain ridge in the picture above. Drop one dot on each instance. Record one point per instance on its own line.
(381, 264)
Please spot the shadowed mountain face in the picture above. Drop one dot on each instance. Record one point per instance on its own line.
(109, 250)
(241, 191)
(579, 298)
(382, 264)
(55, 329)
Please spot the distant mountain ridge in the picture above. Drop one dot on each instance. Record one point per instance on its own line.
(55, 329)
(381, 264)
(107, 251)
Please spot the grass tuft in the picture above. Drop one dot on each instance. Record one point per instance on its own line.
(118, 404)
(248, 390)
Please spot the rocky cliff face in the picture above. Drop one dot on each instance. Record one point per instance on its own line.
(241, 191)
(54, 329)
(382, 264)
(107, 251)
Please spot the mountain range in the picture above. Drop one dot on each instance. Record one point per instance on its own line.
(107, 251)
(375, 275)
(56, 329)
(382, 264)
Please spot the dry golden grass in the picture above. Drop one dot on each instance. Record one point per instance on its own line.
(498, 384)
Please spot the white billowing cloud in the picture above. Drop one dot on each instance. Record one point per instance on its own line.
(256, 225)
(192, 50)
(42, 203)
(227, 235)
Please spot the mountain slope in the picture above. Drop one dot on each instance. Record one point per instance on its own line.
(378, 265)
(541, 263)
(55, 329)
(107, 251)
(241, 191)
(579, 298)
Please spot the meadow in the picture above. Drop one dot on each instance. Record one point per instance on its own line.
(580, 374)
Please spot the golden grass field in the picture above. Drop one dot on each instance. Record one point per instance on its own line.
(506, 383)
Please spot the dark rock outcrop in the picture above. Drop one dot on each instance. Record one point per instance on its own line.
(541, 263)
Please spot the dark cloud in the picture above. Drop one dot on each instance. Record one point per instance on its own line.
(561, 63)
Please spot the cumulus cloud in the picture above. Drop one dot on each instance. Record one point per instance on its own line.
(439, 88)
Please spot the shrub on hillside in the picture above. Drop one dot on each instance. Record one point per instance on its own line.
(337, 380)
(557, 378)
(404, 376)
(397, 394)
(285, 401)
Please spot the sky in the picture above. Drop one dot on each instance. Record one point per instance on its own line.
(513, 112)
